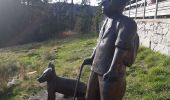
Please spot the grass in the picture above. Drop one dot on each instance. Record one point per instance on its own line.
(147, 79)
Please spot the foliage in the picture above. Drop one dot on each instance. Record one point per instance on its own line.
(19, 22)
(84, 20)
(97, 20)
(23, 23)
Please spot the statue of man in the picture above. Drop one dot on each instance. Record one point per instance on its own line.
(116, 48)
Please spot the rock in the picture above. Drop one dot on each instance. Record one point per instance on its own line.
(12, 83)
(155, 35)
(31, 74)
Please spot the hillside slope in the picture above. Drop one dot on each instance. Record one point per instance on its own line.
(147, 79)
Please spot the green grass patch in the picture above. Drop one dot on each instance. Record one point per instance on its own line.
(149, 77)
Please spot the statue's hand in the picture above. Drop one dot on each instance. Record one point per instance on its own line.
(110, 76)
(88, 61)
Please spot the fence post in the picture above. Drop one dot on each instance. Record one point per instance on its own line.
(156, 9)
(136, 9)
(144, 9)
(129, 7)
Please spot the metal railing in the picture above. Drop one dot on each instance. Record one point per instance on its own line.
(142, 9)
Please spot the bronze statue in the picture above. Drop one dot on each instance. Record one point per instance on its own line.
(117, 47)
(61, 85)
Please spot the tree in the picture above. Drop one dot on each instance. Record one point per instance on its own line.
(97, 20)
(85, 2)
(84, 20)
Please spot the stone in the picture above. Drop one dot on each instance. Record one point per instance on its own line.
(155, 35)
(12, 83)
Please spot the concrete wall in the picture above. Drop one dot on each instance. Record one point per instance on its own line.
(155, 34)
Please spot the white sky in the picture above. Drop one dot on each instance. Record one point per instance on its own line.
(93, 2)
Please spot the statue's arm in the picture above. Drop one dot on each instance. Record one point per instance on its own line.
(123, 43)
(89, 61)
(118, 57)
(93, 53)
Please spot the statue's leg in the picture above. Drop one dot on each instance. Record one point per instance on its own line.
(92, 92)
(113, 90)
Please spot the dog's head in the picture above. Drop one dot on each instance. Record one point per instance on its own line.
(48, 74)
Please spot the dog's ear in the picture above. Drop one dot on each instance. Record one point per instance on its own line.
(50, 65)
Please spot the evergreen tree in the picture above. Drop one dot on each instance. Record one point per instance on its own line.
(97, 20)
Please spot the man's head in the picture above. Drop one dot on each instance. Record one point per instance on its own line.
(48, 74)
(112, 7)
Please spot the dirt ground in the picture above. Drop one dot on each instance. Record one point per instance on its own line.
(43, 96)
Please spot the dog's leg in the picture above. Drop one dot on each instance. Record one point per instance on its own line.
(80, 98)
(51, 95)
(66, 96)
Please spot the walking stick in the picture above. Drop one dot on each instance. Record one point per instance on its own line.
(78, 80)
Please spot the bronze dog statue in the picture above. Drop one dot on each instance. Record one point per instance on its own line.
(61, 85)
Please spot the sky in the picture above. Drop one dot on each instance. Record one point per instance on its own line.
(93, 2)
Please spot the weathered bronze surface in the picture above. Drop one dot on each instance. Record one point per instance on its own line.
(61, 85)
(117, 47)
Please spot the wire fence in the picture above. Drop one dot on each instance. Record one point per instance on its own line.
(144, 9)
